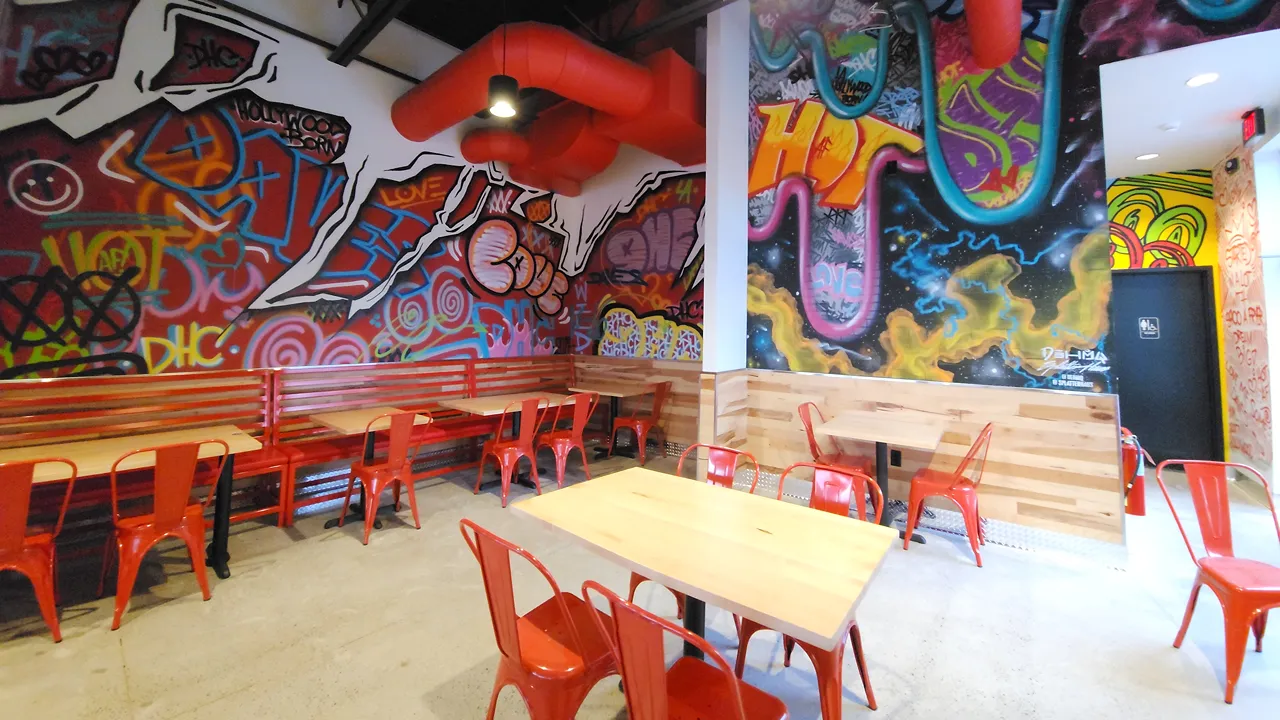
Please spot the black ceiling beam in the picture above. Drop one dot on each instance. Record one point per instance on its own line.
(376, 17)
(679, 17)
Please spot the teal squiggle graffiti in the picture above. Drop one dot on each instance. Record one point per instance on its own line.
(1216, 11)
(813, 40)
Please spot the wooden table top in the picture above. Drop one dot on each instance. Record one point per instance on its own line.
(496, 404)
(618, 391)
(355, 422)
(95, 457)
(877, 426)
(796, 570)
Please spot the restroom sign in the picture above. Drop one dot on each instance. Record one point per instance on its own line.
(1149, 328)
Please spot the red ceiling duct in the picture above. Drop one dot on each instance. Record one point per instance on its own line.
(995, 30)
(659, 106)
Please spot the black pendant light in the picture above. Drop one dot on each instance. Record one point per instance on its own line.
(503, 89)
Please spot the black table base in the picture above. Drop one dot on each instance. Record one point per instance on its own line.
(695, 621)
(882, 479)
(216, 555)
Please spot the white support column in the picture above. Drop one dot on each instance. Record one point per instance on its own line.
(724, 312)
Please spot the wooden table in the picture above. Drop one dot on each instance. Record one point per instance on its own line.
(491, 405)
(796, 570)
(95, 457)
(355, 422)
(615, 393)
(884, 429)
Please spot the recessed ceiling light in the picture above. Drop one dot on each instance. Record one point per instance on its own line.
(1148, 156)
(1202, 79)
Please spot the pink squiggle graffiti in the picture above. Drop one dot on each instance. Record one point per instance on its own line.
(796, 186)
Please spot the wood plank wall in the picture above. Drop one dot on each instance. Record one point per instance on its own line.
(681, 412)
(1054, 461)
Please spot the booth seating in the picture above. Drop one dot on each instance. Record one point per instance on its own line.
(48, 412)
(410, 386)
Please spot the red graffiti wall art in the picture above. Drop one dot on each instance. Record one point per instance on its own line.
(641, 294)
(1243, 314)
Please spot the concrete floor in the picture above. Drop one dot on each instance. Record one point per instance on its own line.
(315, 625)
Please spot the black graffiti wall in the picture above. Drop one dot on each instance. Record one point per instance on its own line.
(916, 216)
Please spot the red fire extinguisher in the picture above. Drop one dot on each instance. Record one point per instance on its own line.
(1133, 466)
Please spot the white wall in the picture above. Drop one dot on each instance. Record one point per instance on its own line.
(1266, 164)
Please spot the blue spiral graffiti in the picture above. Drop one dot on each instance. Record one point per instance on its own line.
(1042, 176)
(1218, 10)
(813, 40)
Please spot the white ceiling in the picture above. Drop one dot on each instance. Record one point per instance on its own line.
(1140, 95)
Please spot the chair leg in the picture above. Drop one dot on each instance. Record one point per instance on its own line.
(642, 440)
(969, 511)
(636, 579)
(1237, 624)
(679, 604)
(371, 493)
(562, 459)
(131, 552)
(1259, 627)
(43, 584)
(195, 547)
(507, 469)
(1186, 616)
(914, 505)
(533, 473)
(586, 468)
(413, 502)
(395, 496)
(788, 647)
(499, 683)
(554, 701)
(109, 553)
(346, 501)
(745, 631)
(479, 473)
(856, 637)
(828, 666)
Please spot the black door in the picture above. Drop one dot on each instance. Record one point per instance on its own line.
(1164, 354)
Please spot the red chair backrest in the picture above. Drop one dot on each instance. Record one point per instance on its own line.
(660, 392)
(16, 481)
(976, 457)
(173, 475)
(494, 555)
(635, 638)
(806, 411)
(834, 490)
(722, 463)
(584, 404)
(530, 418)
(401, 430)
(1208, 484)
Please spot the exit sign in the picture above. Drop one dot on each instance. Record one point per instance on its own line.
(1254, 126)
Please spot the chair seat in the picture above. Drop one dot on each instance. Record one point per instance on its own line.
(546, 643)
(248, 463)
(461, 427)
(310, 453)
(844, 460)
(193, 512)
(939, 480)
(1243, 575)
(696, 690)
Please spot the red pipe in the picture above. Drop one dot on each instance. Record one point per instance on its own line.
(536, 55)
(995, 30)
(486, 144)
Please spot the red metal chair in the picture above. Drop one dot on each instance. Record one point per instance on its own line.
(834, 490)
(507, 453)
(860, 463)
(722, 464)
(35, 556)
(396, 472)
(562, 442)
(170, 512)
(642, 425)
(1247, 589)
(957, 488)
(554, 654)
(690, 689)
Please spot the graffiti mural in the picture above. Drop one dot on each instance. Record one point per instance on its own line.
(188, 190)
(914, 215)
(641, 293)
(1243, 312)
(1163, 220)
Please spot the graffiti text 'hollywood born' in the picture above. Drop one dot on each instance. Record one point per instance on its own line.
(301, 128)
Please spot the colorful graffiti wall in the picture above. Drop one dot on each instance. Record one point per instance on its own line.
(1243, 312)
(188, 190)
(916, 216)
